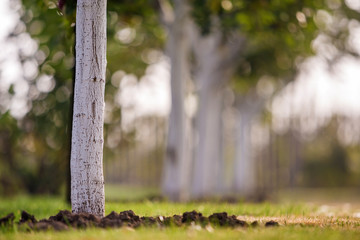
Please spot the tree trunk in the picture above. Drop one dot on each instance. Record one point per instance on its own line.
(178, 153)
(216, 57)
(211, 78)
(209, 155)
(244, 165)
(87, 180)
(245, 170)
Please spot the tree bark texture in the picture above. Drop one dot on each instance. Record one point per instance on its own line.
(178, 154)
(87, 180)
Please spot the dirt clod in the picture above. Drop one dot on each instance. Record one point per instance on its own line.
(7, 220)
(45, 225)
(110, 223)
(254, 224)
(193, 216)
(177, 220)
(223, 219)
(149, 221)
(62, 216)
(130, 218)
(113, 215)
(65, 219)
(271, 224)
(26, 217)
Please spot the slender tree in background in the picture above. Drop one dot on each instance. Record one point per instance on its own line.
(216, 56)
(178, 154)
(278, 35)
(87, 180)
(249, 107)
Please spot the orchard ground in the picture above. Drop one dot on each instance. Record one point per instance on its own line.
(302, 214)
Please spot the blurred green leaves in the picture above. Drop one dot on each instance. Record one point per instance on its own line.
(38, 150)
(279, 36)
(279, 33)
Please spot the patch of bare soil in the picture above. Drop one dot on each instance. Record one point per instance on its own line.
(65, 220)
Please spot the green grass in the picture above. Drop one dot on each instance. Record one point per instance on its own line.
(114, 192)
(297, 220)
(40, 206)
(45, 206)
(291, 232)
(148, 208)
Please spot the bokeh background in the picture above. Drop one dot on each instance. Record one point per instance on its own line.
(288, 123)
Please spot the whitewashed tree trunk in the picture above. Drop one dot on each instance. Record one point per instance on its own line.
(215, 56)
(244, 165)
(245, 171)
(178, 154)
(87, 180)
(209, 154)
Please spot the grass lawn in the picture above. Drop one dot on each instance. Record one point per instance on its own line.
(297, 220)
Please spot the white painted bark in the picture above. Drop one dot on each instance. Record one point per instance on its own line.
(215, 57)
(208, 167)
(178, 154)
(244, 165)
(245, 172)
(87, 180)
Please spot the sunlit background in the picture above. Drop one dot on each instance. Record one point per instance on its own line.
(304, 131)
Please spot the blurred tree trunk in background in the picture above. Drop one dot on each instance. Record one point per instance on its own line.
(209, 154)
(178, 154)
(87, 180)
(245, 166)
(215, 57)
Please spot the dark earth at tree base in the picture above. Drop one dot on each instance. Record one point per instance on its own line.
(65, 220)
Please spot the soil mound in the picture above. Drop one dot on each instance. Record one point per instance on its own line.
(66, 219)
(223, 219)
(7, 220)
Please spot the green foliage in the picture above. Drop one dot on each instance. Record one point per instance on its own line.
(36, 149)
(46, 126)
(139, 17)
(279, 33)
(202, 15)
(9, 138)
(37, 159)
(326, 161)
